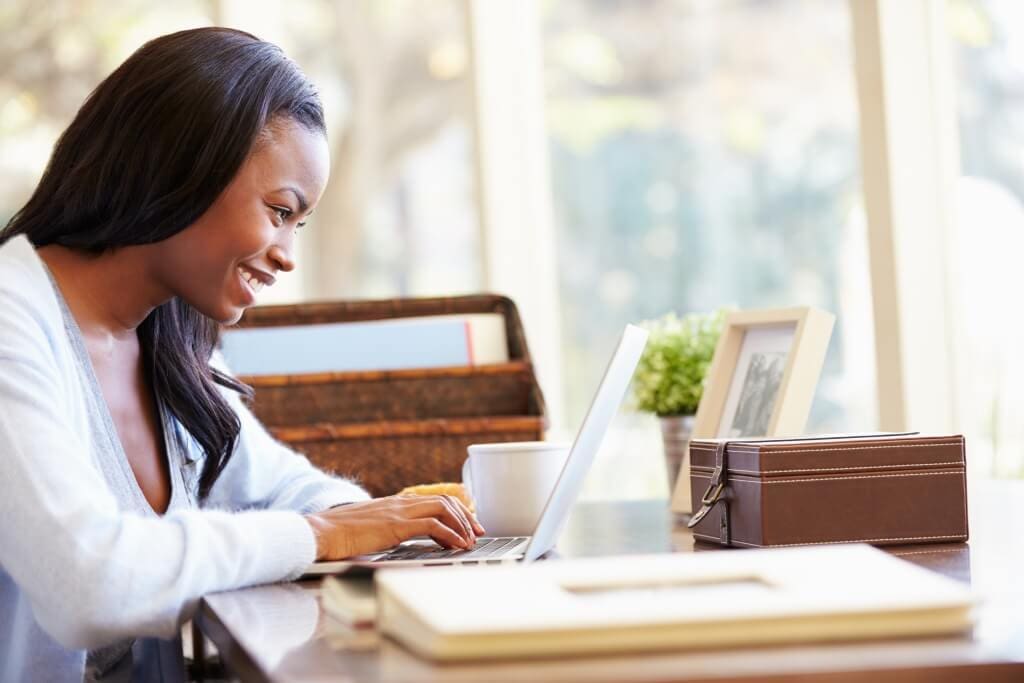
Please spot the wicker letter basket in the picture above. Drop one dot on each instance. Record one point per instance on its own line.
(395, 428)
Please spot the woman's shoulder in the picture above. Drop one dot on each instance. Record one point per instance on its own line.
(28, 305)
(22, 272)
(18, 256)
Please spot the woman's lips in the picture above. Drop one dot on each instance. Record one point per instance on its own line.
(255, 279)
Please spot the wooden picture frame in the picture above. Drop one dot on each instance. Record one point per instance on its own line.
(761, 381)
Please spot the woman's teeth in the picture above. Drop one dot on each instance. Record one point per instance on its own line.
(254, 282)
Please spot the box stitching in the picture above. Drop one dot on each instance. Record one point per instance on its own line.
(842, 469)
(829, 450)
(857, 540)
(866, 476)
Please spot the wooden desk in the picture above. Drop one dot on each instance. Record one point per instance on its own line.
(277, 633)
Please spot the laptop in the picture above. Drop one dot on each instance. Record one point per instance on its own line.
(498, 550)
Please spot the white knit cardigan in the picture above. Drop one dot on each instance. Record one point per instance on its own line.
(75, 571)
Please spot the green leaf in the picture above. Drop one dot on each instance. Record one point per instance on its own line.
(669, 379)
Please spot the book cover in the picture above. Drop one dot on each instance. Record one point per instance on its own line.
(421, 342)
(672, 601)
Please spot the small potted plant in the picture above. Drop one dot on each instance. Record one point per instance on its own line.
(669, 379)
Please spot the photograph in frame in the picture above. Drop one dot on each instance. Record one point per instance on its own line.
(756, 381)
(761, 380)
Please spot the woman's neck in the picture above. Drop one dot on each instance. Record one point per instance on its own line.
(110, 293)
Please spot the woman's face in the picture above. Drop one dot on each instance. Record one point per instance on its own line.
(220, 263)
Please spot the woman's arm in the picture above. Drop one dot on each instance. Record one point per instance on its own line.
(264, 473)
(93, 573)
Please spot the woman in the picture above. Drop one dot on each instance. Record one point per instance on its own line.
(133, 480)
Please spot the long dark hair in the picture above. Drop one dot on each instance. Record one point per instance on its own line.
(147, 154)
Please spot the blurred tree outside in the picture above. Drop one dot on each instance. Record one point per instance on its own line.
(398, 217)
(50, 59)
(705, 154)
(403, 70)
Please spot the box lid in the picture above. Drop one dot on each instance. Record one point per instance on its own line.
(832, 454)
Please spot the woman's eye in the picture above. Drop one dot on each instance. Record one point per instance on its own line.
(283, 215)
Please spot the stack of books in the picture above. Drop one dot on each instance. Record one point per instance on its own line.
(350, 605)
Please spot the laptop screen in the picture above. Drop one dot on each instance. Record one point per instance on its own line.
(599, 416)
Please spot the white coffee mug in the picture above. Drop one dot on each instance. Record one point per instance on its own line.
(510, 483)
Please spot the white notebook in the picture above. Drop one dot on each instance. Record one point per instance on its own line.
(671, 601)
(400, 343)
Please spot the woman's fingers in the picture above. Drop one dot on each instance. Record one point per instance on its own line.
(440, 508)
(442, 534)
(462, 515)
(466, 515)
(477, 526)
(468, 522)
(373, 525)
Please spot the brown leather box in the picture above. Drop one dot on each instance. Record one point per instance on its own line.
(881, 489)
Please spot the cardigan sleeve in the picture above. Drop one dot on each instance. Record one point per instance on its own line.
(264, 473)
(92, 573)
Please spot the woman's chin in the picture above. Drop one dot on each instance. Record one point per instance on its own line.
(224, 313)
(226, 309)
(232, 316)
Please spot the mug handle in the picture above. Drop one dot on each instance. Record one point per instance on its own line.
(467, 480)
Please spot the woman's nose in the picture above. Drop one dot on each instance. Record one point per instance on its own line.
(281, 256)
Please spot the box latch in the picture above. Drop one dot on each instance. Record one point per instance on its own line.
(715, 494)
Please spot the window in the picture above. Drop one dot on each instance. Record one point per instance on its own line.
(704, 155)
(988, 55)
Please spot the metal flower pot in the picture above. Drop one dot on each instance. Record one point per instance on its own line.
(676, 431)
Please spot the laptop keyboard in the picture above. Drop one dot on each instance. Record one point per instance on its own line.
(484, 548)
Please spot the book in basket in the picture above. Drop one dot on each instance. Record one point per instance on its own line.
(399, 343)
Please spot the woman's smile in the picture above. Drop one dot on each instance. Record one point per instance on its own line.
(253, 280)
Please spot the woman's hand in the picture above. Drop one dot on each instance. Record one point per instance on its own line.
(374, 525)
